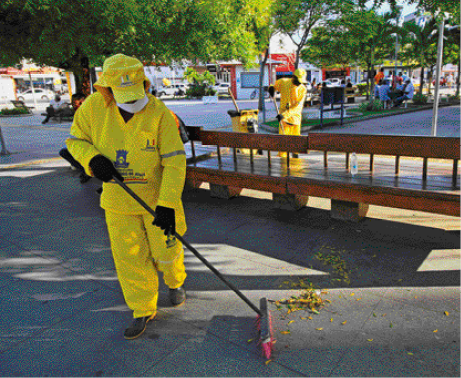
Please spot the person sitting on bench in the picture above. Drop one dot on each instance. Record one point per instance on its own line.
(56, 106)
(407, 91)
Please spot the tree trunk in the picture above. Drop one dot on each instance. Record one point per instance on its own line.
(421, 80)
(429, 76)
(4, 151)
(457, 80)
(262, 70)
(369, 79)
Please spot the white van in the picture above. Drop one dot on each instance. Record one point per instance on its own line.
(172, 90)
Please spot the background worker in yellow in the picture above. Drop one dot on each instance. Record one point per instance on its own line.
(293, 92)
(122, 131)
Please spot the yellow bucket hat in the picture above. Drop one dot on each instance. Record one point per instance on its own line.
(125, 76)
(301, 75)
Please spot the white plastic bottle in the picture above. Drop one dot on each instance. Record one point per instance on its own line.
(354, 164)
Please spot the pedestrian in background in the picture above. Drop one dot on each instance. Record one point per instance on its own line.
(121, 131)
(293, 91)
(56, 106)
(407, 91)
(379, 76)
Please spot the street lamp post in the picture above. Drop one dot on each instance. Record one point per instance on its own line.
(396, 52)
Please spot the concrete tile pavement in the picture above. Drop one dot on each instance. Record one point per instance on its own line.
(63, 313)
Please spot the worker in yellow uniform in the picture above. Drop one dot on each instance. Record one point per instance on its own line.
(122, 131)
(293, 92)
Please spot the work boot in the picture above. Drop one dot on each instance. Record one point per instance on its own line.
(138, 327)
(177, 296)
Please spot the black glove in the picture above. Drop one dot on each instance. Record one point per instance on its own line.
(103, 169)
(279, 117)
(165, 219)
(271, 91)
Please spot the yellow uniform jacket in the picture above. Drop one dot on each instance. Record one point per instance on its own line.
(291, 100)
(147, 151)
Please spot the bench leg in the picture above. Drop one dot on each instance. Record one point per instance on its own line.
(191, 184)
(289, 201)
(348, 211)
(223, 191)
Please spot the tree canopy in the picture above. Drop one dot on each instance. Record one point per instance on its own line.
(65, 34)
(297, 18)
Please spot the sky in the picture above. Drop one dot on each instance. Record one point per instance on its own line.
(407, 8)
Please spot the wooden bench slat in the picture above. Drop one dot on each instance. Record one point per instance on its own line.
(286, 143)
(384, 178)
(447, 204)
(415, 146)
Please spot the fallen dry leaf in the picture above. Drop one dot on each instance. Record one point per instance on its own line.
(435, 330)
(285, 332)
(352, 294)
(331, 320)
(411, 354)
(369, 339)
(291, 321)
(309, 317)
(344, 322)
(446, 313)
(319, 329)
(268, 362)
(302, 318)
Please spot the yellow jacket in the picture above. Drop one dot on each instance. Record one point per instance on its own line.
(291, 100)
(147, 151)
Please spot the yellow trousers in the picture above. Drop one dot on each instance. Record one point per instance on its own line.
(288, 129)
(140, 250)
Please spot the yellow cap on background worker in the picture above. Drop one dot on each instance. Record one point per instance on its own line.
(125, 76)
(301, 75)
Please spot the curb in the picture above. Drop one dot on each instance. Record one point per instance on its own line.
(357, 119)
(15, 115)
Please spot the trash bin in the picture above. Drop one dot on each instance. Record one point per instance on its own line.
(244, 121)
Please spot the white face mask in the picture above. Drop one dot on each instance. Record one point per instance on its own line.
(135, 106)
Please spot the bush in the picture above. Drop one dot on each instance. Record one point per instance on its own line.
(419, 99)
(14, 111)
(200, 91)
(452, 98)
(362, 88)
(373, 106)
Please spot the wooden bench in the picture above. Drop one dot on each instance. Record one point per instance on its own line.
(21, 105)
(406, 184)
(385, 181)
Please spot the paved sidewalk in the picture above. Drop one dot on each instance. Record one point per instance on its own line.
(63, 313)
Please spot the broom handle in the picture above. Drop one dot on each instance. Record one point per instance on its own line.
(190, 248)
(233, 99)
(277, 109)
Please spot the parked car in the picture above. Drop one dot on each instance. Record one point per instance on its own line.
(222, 88)
(172, 90)
(40, 94)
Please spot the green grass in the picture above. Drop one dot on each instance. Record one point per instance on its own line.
(309, 122)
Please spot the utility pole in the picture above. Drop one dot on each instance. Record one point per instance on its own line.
(438, 70)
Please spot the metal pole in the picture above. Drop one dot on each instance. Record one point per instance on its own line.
(33, 90)
(438, 70)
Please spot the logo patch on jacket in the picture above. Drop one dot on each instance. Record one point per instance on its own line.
(149, 146)
(120, 160)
